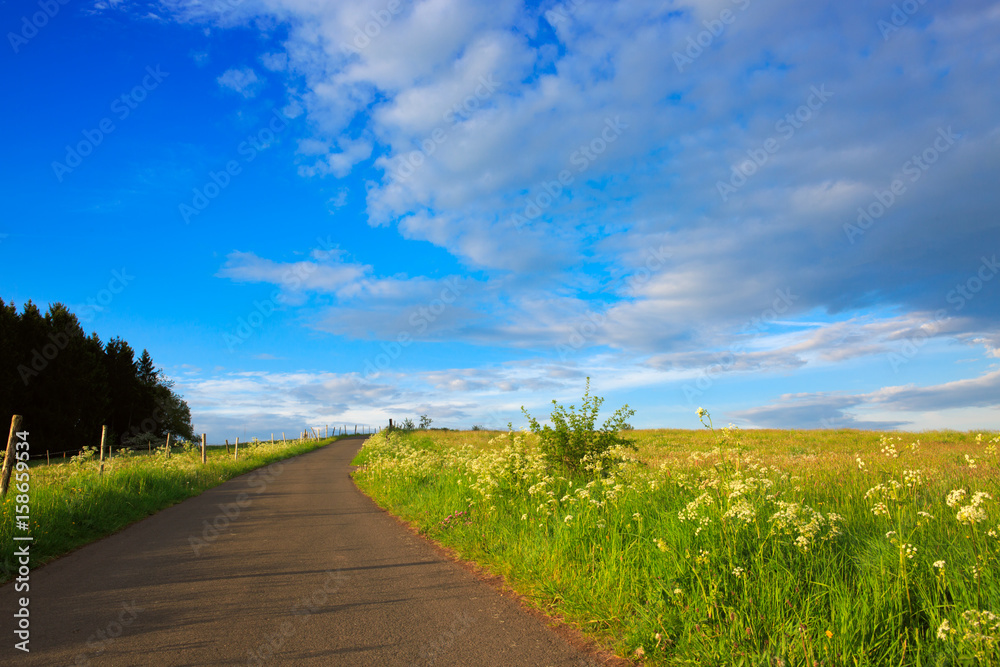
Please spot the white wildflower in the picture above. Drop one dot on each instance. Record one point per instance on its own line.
(971, 514)
(742, 510)
(955, 497)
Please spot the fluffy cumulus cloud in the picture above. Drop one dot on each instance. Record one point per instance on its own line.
(780, 185)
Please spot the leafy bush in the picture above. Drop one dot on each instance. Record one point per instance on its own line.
(572, 437)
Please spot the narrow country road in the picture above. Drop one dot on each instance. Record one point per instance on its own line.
(303, 569)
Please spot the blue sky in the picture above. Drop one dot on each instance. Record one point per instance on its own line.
(327, 213)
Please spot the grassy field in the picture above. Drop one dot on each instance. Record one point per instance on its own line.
(727, 547)
(71, 504)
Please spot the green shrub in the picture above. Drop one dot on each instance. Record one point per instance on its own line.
(572, 437)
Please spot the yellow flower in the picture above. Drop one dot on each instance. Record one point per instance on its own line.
(829, 635)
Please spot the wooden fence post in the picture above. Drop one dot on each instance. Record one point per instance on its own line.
(47, 461)
(283, 437)
(236, 450)
(203, 448)
(149, 446)
(104, 433)
(168, 445)
(8, 461)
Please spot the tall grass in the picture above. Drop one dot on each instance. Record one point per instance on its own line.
(72, 504)
(729, 547)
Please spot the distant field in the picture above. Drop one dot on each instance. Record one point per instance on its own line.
(728, 547)
(71, 504)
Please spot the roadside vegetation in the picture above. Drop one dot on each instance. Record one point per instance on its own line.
(73, 504)
(721, 547)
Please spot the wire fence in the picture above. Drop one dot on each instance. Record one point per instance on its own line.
(154, 443)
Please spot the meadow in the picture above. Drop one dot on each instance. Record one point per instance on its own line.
(72, 503)
(726, 547)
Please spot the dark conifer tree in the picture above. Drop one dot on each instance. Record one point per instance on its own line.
(67, 385)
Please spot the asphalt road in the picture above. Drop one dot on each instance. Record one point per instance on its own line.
(290, 564)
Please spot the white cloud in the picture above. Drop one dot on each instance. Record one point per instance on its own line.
(908, 404)
(464, 116)
(338, 200)
(331, 277)
(276, 62)
(242, 80)
(338, 163)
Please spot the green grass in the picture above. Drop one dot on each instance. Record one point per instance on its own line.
(72, 504)
(727, 548)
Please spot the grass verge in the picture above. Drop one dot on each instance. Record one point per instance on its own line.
(727, 548)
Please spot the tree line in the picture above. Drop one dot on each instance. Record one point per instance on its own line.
(67, 385)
